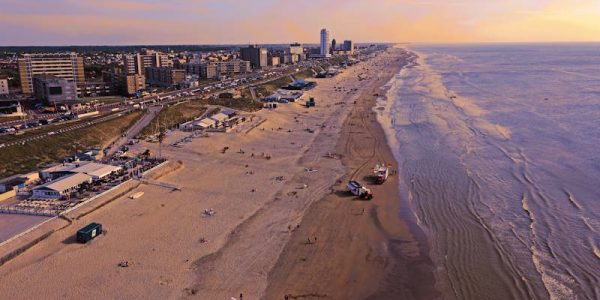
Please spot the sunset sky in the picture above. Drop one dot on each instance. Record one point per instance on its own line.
(98, 22)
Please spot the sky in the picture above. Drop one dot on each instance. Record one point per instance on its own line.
(131, 22)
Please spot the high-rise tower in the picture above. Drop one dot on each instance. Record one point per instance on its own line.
(324, 42)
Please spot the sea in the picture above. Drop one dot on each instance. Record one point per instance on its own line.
(499, 151)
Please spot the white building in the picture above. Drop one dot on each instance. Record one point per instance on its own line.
(96, 171)
(325, 43)
(59, 170)
(206, 123)
(199, 124)
(61, 187)
(220, 118)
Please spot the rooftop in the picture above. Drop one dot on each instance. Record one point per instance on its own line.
(65, 167)
(95, 169)
(65, 183)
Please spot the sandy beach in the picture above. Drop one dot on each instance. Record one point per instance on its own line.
(265, 212)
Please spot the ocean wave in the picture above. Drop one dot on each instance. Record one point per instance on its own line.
(489, 177)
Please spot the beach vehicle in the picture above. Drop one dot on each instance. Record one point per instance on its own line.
(381, 173)
(89, 232)
(359, 190)
(310, 102)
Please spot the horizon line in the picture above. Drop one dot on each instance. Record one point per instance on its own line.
(287, 43)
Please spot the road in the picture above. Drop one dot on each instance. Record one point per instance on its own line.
(63, 130)
(134, 130)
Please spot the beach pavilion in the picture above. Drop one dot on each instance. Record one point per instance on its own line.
(61, 187)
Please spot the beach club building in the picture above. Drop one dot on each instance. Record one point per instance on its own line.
(220, 118)
(199, 124)
(96, 171)
(205, 123)
(61, 187)
(67, 178)
(58, 171)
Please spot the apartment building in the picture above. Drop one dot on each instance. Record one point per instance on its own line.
(348, 46)
(94, 89)
(67, 66)
(125, 84)
(131, 84)
(274, 61)
(164, 76)
(137, 63)
(258, 57)
(289, 58)
(214, 69)
(296, 48)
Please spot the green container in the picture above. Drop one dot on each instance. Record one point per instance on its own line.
(89, 232)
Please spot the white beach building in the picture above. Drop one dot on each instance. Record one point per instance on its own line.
(97, 171)
(60, 170)
(206, 123)
(61, 187)
(220, 118)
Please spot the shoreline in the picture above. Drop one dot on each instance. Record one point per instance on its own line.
(395, 259)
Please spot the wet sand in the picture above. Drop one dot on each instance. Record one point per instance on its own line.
(252, 245)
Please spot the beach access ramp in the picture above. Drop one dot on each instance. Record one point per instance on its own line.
(159, 183)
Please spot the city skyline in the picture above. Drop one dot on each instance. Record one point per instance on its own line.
(91, 22)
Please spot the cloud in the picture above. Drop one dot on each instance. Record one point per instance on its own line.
(269, 21)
